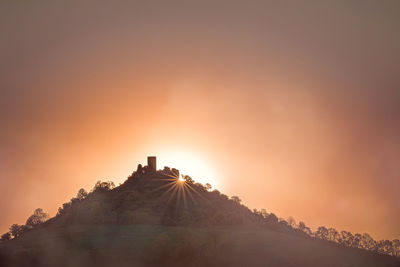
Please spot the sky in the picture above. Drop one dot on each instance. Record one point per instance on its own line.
(292, 105)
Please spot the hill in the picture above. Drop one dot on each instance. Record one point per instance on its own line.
(157, 219)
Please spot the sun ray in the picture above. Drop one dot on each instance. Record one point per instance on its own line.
(178, 188)
(172, 194)
(184, 194)
(194, 190)
(163, 186)
(190, 195)
(171, 190)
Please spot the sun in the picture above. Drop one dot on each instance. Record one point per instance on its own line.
(181, 180)
(188, 163)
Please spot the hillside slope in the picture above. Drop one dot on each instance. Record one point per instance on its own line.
(153, 219)
(151, 245)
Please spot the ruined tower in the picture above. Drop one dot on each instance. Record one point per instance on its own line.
(152, 163)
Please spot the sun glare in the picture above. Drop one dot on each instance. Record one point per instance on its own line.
(189, 164)
(180, 179)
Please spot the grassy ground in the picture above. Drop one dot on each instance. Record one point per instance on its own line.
(150, 245)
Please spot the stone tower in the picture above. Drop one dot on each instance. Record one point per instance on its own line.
(152, 163)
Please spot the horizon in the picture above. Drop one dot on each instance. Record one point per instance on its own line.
(294, 107)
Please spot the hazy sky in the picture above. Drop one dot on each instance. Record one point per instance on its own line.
(292, 105)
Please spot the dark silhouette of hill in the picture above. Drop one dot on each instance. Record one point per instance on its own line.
(154, 219)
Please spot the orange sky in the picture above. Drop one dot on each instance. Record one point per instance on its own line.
(293, 107)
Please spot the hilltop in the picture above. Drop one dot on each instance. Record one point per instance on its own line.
(157, 219)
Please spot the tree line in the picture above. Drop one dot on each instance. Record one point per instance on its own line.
(344, 238)
(16, 230)
(39, 216)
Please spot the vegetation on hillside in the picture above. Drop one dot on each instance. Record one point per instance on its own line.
(159, 198)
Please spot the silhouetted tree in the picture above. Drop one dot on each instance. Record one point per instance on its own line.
(208, 186)
(322, 232)
(38, 217)
(346, 238)
(396, 247)
(367, 242)
(272, 218)
(5, 237)
(62, 210)
(82, 194)
(17, 230)
(103, 186)
(188, 179)
(385, 246)
(333, 235)
(291, 221)
(236, 199)
(225, 197)
(264, 213)
(357, 241)
(255, 211)
(200, 187)
(302, 227)
(283, 222)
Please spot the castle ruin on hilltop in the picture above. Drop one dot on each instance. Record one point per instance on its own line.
(152, 167)
(152, 163)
